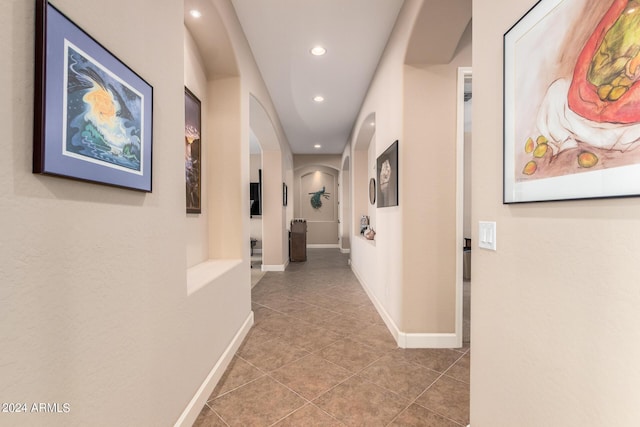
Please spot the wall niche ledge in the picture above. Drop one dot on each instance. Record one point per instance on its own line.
(364, 239)
(201, 275)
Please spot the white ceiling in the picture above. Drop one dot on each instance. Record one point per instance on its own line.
(355, 32)
(282, 32)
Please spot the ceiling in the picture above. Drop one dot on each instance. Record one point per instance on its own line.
(281, 34)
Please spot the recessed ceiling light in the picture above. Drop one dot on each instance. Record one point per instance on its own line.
(318, 51)
(195, 13)
(318, 98)
(373, 123)
(317, 146)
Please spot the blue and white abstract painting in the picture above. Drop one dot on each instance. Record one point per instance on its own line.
(104, 115)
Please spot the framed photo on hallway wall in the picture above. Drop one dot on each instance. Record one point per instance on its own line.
(387, 173)
(92, 113)
(193, 151)
(285, 194)
(572, 102)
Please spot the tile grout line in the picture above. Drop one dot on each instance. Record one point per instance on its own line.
(357, 311)
(307, 401)
(441, 374)
(216, 412)
(415, 401)
(240, 386)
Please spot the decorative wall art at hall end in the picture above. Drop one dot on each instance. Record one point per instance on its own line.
(572, 101)
(387, 171)
(92, 113)
(193, 151)
(317, 196)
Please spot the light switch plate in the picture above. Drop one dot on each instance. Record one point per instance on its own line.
(487, 235)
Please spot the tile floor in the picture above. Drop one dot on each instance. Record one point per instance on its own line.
(320, 355)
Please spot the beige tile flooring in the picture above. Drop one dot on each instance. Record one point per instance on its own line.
(320, 355)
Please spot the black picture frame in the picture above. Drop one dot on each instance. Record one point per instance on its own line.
(387, 174)
(565, 135)
(372, 191)
(193, 151)
(93, 115)
(284, 194)
(255, 194)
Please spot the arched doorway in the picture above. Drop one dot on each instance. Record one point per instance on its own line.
(345, 206)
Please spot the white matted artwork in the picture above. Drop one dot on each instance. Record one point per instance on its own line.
(572, 102)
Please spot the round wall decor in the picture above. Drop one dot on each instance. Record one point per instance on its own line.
(372, 190)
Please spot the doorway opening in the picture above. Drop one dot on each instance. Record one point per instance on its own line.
(463, 207)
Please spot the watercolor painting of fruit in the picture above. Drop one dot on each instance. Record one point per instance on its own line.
(572, 101)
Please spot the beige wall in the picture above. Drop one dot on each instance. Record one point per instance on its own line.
(227, 205)
(275, 236)
(555, 309)
(322, 224)
(93, 304)
(100, 317)
(312, 182)
(378, 264)
(414, 254)
(345, 195)
(277, 161)
(256, 220)
(197, 225)
(372, 166)
(254, 167)
(360, 200)
(330, 160)
(428, 168)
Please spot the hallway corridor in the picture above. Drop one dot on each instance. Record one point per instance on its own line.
(320, 355)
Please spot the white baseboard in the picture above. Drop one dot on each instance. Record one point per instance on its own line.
(404, 339)
(417, 340)
(323, 246)
(198, 401)
(386, 318)
(276, 267)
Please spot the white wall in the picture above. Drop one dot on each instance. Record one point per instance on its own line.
(555, 309)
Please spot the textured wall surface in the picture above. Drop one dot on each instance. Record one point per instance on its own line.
(554, 311)
(94, 309)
